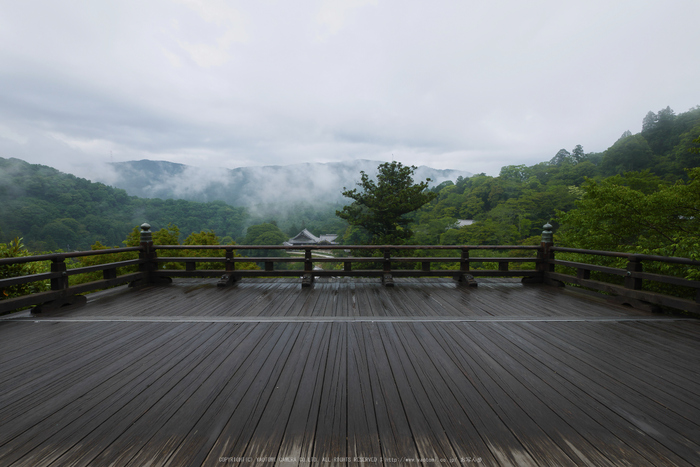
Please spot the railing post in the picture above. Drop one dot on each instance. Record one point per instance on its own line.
(228, 278)
(308, 278)
(387, 278)
(633, 265)
(545, 257)
(463, 276)
(147, 254)
(58, 264)
(546, 244)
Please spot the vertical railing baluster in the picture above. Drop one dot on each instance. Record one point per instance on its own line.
(633, 265)
(308, 278)
(387, 278)
(58, 264)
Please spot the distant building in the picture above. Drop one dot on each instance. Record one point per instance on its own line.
(305, 238)
(463, 222)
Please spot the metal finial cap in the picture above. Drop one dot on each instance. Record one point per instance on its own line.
(145, 227)
(547, 226)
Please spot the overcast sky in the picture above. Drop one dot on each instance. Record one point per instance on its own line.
(469, 85)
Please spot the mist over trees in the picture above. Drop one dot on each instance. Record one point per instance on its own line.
(52, 211)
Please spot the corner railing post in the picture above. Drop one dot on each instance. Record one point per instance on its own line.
(545, 255)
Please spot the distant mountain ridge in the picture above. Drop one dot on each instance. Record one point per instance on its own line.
(250, 186)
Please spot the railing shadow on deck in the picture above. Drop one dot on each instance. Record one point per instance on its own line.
(392, 261)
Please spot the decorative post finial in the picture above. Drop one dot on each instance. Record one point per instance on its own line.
(146, 236)
(547, 235)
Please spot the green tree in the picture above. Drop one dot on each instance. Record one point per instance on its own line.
(577, 154)
(560, 157)
(264, 234)
(210, 238)
(637, 214)
(630, 154)
(382, 207)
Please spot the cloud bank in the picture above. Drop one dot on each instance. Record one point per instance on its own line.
(456, 84)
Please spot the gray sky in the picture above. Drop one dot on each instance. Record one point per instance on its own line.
(469, 85)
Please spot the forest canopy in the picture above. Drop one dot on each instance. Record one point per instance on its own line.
(54, 211)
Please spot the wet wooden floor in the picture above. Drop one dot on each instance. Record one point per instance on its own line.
(349, 373)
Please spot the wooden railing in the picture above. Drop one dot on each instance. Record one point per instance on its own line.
(630, 292)
(392, 261)
(61, 293)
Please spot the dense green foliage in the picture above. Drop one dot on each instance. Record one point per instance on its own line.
(381, 207)
(57, 211)
(265, 234)
(54, 210)
(15, 249)
(512, 207)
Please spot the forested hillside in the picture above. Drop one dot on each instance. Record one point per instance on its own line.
(53, 210)
(513, 206)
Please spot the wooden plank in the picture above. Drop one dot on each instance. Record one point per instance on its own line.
(511, 393)
(394, 432)
(301, 429)
(500, 397)
(363, 432)
(330, 441)
(427, 431)
(236, 435)
(457, 426)
(577, 434)
(172, 411)
(206, 427)
(55, 376)
(475, 407)
(51, 428)
(646, 369)
(657, 433)
(269, 430)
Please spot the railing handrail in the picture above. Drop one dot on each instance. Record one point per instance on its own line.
(68, 254)
(637, 256)
(347, 247)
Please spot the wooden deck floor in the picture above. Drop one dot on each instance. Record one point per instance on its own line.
(349, 373)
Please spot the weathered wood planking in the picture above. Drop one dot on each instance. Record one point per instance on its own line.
(405, 389)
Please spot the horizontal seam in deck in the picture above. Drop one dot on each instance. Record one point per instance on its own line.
(338, 319)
